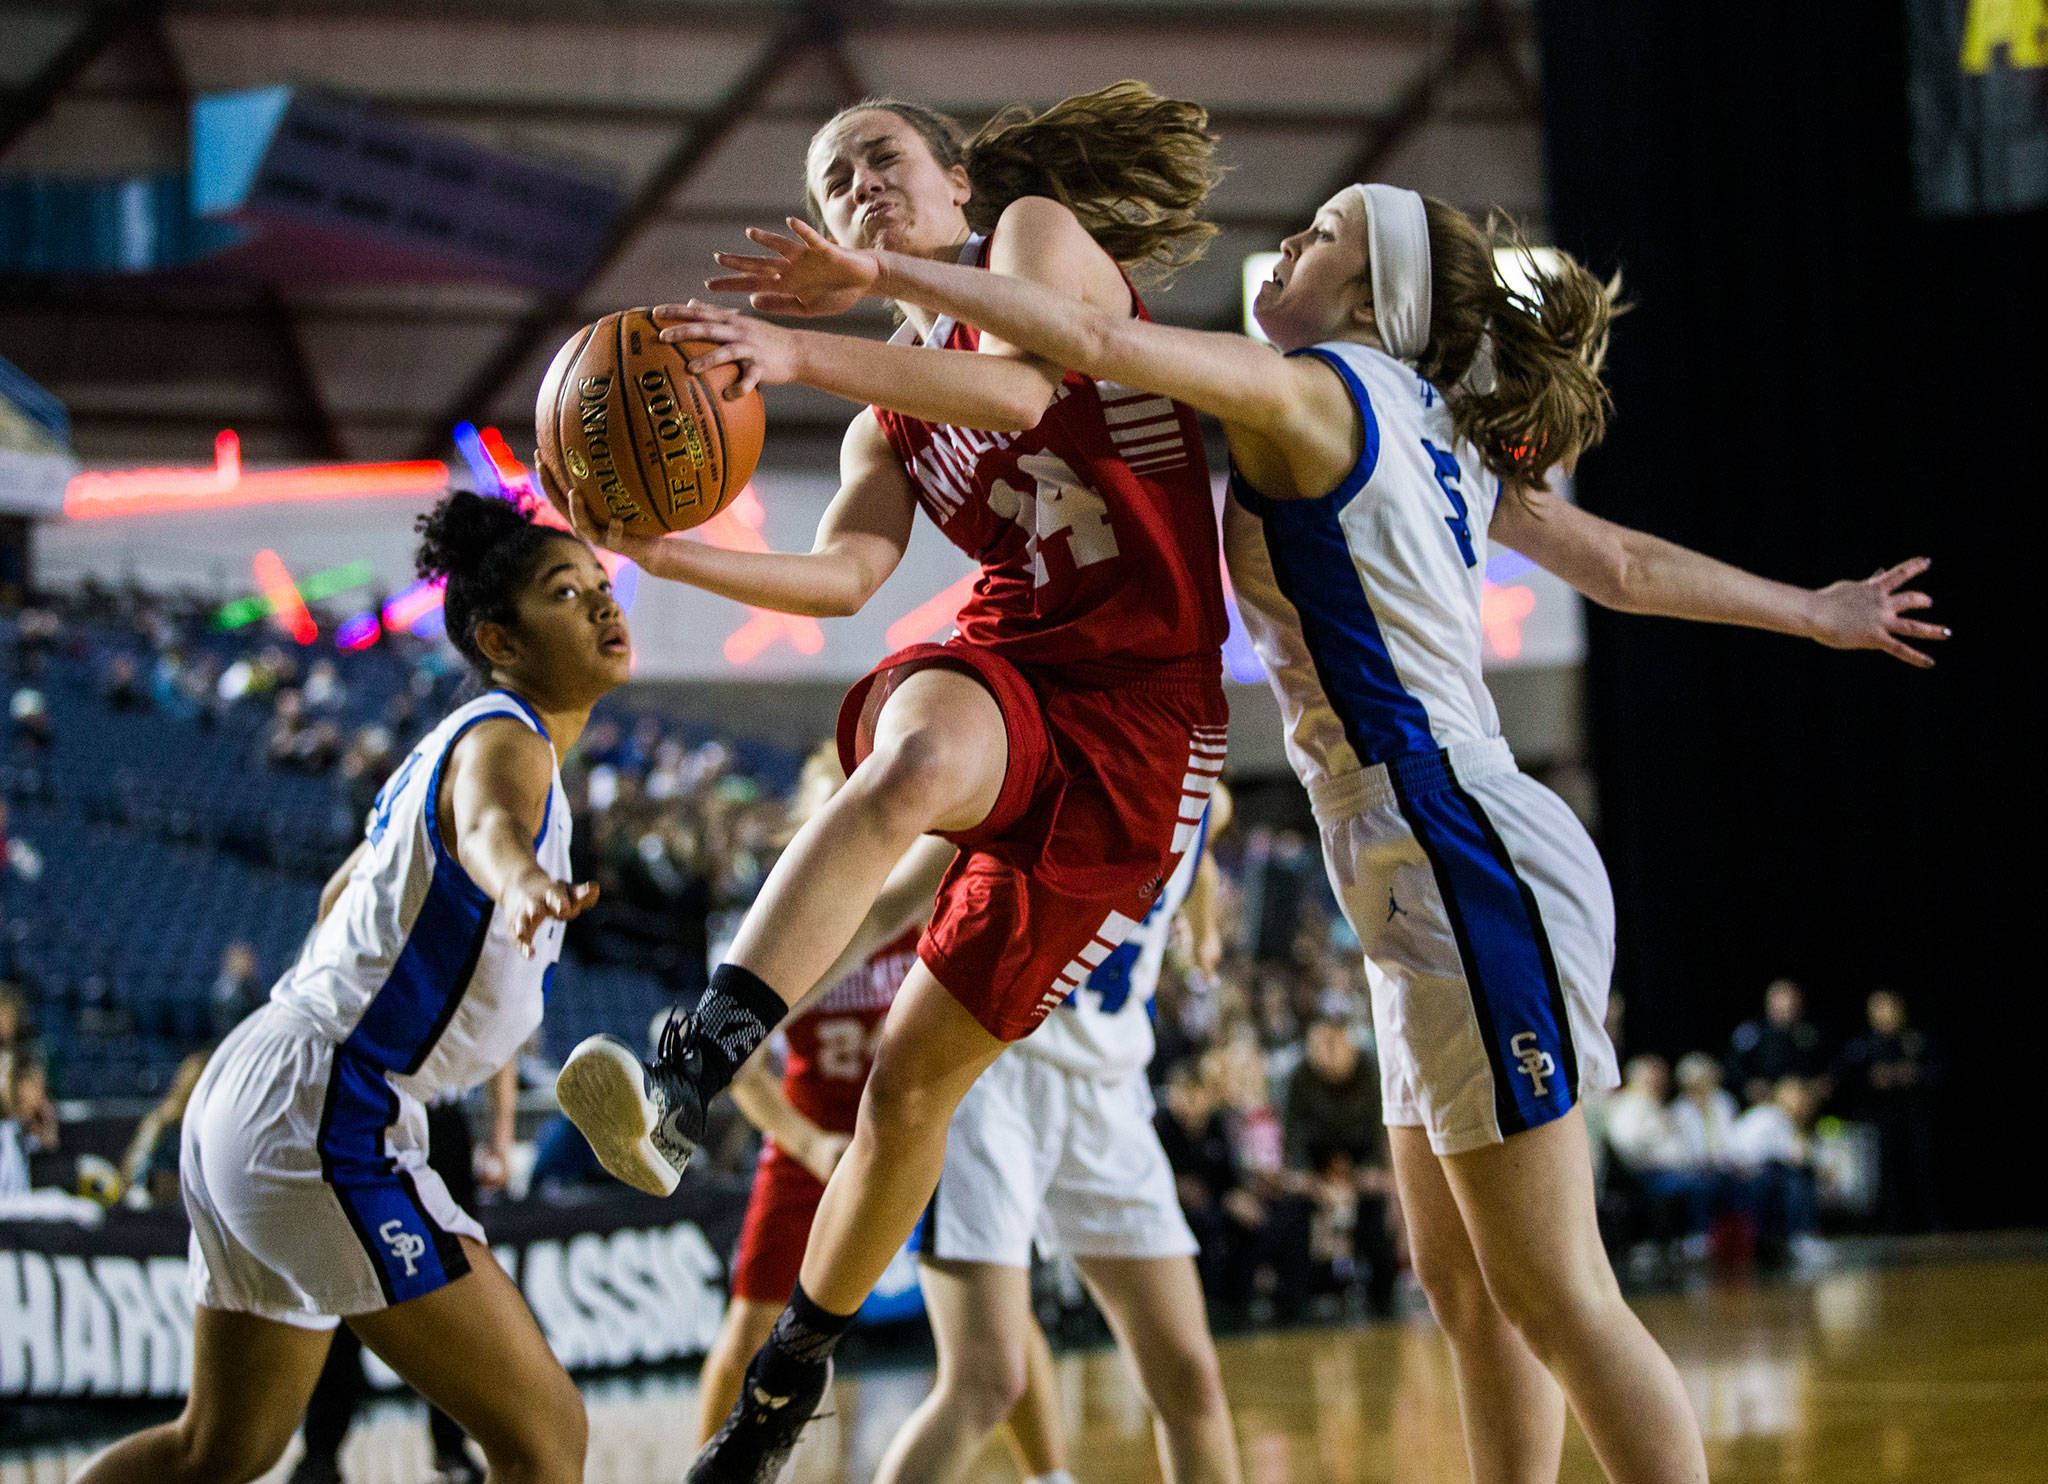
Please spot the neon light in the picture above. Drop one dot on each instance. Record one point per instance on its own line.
(314, 589)
(932, 616)
(1501, 611)
(144, 491)
(410, 606)
(283, 594)
(738, 528)
(359, 632)
(513, 477)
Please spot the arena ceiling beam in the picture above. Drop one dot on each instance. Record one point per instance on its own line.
(297, 384)
(101, 30)
(1386, 19)
(819, 24)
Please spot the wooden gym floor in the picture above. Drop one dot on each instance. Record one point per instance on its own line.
(1934, 1369)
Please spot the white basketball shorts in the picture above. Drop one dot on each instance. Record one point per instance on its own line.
(1488, 929)
(305, 1176)
(1071, 1160)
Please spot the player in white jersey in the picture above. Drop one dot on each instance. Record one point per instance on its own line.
(303, 1162)
(1055, 1144)
(1410, 405)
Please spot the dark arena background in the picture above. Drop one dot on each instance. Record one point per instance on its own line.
(276, 276)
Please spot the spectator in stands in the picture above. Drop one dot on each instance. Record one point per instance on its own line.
(1268, 1211)
(124, 690)
(1771, 1146)
(296, 741)
(238, 990)
(149, 1168)
(1336, 1145)
(33, 737)
(17, 856)
(1783, 1044)
(1887, 1077)
(1703, 1113)
(14, 1028)
(1191, 1130)
(372, 754)
(1673, 1200)
(323, 689)
(25, 1096)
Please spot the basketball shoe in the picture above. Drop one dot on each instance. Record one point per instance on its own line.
(643, 1119)
(760, 1432)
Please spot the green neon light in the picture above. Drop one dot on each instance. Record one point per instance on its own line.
(244, 611)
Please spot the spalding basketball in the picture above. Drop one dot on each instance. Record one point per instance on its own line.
(625, 428)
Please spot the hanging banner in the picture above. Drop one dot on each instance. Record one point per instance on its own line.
(1978, 81)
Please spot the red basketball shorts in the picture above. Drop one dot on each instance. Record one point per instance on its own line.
(780, 1208)
(1105, 786)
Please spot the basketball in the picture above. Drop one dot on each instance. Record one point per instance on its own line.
(625, 427)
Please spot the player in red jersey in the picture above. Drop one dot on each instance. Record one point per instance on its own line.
(1052, 740)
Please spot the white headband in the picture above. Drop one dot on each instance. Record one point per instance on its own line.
(1397, 237)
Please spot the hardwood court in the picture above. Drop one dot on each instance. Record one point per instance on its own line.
(1935, 1372)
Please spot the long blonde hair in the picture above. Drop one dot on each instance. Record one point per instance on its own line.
(1548, 404)
(1134, 167)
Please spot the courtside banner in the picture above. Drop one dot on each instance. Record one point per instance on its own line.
(628, 1280)
(1978, 82)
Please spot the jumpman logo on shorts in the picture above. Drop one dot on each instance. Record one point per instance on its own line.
(1394, 908)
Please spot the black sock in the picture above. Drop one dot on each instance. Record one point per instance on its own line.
(733, 1016)
(803, 1337)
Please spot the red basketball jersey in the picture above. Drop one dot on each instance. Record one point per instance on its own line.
(1095, 530)
(832, 1045)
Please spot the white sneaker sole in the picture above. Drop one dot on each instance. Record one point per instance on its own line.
(602, 1090)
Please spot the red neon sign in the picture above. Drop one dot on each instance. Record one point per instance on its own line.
(285, 602)
(1501, 611)
(738, 528)
(147, 491)
(933, 616)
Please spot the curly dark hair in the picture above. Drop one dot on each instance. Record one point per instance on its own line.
(485, 548)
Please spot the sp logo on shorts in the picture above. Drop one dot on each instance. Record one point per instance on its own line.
(1535, 1063)
(405, 1246)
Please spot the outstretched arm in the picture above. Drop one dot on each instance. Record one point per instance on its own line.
(1235, 378)
(860, 540)
(1001, 386)
(1635, 572)
(494, 799)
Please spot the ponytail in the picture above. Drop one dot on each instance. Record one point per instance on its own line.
(1133, 167)
(1544, 402)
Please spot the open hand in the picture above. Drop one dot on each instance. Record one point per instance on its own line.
(806, 274)
(766, 354)
(536, 899)
(1871, 614)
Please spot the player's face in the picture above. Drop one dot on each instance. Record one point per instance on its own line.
(879, 186)
(572, 634)
(1318, 290)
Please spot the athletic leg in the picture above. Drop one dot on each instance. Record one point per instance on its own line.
(1512, 1410)
(932, 1049)
(940, 755)
(744, 1330)
(938, 763)
(250, 1381)
(1038, 1443)
(981, 1322)
(1154, 1304)
(1528, 1206)
(330, 1410)
(474, 1350)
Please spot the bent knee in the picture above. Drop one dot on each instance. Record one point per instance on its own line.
(986, 1389)
(1457, 1293)
(1555, 1312)
(1185, 1385)
(228, 1454)
(913, 779)
(544, 1443)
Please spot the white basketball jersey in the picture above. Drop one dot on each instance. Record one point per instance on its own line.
(1365, 604)
(413, 970)
(1104, 1028)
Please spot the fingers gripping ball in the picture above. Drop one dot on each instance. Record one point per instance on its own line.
(626, 428)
